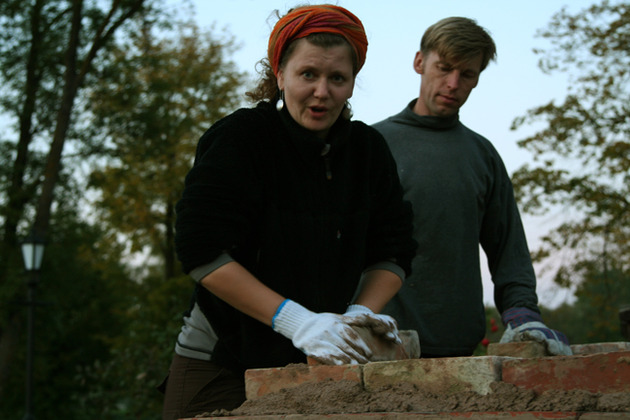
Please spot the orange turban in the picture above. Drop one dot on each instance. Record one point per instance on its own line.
(303, 21)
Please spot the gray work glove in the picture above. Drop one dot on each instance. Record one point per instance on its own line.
(523, 324)
(326, 337)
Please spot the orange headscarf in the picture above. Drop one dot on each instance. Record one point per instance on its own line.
(306, 20)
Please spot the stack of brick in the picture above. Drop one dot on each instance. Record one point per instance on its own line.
(598, 368)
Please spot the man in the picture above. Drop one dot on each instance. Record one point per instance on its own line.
(462, 196)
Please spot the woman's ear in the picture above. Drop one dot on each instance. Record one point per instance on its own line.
(280, 79)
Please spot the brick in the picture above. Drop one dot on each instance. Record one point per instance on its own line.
(259, 382)
(508, 415)
(518, 349)
(411, 343)
(443, 375)
(604, 416)
(602, 372)
(384, 350)
(593, 348)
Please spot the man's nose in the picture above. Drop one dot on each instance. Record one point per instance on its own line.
(452, 79)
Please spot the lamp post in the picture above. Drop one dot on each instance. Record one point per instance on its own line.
(32, 252)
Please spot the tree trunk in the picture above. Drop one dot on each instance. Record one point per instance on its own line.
(74, 77)
(17, 197)
(53, 161)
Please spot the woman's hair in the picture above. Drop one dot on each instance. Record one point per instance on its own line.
(459, 39)
(267, 88)
(324, 26)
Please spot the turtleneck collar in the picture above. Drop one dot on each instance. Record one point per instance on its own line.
(435, 123)
(309, 142)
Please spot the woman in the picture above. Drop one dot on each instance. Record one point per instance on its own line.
(287, 206)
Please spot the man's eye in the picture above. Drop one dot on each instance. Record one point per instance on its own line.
(307, 74)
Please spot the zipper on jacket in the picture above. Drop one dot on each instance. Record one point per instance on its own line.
(325, 151)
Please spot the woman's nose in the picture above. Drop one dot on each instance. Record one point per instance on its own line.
(321, 88)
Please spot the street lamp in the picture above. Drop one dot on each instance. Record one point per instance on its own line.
(32, 252)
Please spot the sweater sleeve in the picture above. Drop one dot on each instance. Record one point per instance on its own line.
(216, 209)
(503, 240)
(391, 228)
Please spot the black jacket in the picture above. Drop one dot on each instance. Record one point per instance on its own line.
(304, 224)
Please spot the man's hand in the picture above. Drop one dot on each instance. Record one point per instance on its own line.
(326, 337)
(523, 324)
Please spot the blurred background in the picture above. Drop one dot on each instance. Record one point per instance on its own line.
(102, 104)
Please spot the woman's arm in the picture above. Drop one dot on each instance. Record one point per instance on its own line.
(236, 286)
(377, 287)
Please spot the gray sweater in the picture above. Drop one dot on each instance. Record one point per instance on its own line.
(462, 197)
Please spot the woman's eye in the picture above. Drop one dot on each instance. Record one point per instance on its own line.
(338, 78)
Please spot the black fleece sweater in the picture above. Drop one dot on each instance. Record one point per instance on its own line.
(305, 224)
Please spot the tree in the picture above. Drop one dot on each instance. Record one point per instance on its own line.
(582, 155)
(153, 103)
(48, 50)
(82, 303)
(159, 94)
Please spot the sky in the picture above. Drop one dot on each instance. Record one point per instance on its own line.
(507, 88)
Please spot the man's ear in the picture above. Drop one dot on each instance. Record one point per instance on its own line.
(418, 62)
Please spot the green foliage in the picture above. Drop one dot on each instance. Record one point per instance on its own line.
(82, 287)
(582, 155)
(34, 58)
(594, 317)
(153, 103)
(105, 333)
(601, 295)
(124, 385)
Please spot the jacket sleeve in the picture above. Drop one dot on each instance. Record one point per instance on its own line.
(217, 205)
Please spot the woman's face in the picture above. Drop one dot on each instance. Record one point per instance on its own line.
(316, 82)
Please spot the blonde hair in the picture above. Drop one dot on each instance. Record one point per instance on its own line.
(459, 39)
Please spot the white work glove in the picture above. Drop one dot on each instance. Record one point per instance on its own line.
(381, 325)
(523, 324)
(326, 337)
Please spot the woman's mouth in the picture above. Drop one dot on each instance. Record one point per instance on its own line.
(318, 111)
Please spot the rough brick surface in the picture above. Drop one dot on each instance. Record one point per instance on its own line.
(259, 382)
(519, 349)
(602, 372)
(600, 347)
(512, 415)
(445, 375)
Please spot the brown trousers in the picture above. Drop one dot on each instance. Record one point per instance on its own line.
(193, 387)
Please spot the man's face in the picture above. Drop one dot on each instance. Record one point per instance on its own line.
(445, 86)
